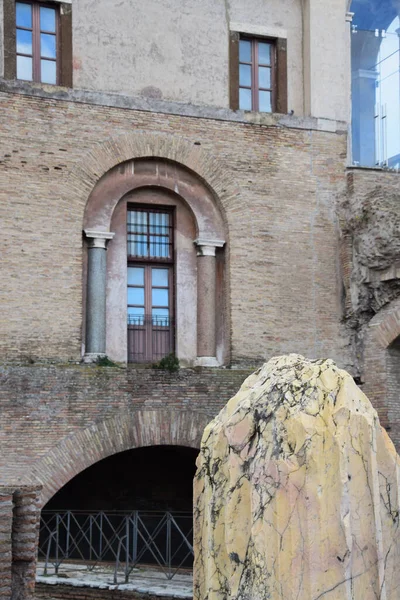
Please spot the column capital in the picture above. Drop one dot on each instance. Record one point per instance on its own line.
(207, 247)
(98, 239)
(349, 17)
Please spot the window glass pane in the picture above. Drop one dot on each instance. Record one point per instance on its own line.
(47, 45)
(137, 221)
(387, 95)
(375, 86)
(48, 71)
(159, 223)
(245, 75)
(135, 316)
(136, 296)
(23, 15)
(264, 99)
(264, 53)
(264, 77)
(159, 277)
(160, 317)
(159, 246)
(159, 297)
(135, 276)
(161, 312)
(24, 41)
(24, 68)
(245, 99)
(47, 19)
(137, 245)
(244, 51)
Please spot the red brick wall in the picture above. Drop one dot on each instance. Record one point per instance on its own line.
(6, 506)
(25, 535)
(381, 369)
(277, 187)
(19, 529)
(114, 407)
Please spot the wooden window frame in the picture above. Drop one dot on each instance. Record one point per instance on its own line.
(254, 66)
(64, 42)
(36, 33)
(148, 262)
(278, 75)
(148, 285)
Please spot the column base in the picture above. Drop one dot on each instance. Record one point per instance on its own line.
(92, 357)
(206, 361)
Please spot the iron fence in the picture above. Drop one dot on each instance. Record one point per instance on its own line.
(124, 539)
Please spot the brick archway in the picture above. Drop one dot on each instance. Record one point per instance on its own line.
(380, 384)
(125, 431)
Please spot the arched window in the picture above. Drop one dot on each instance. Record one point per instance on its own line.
(376, 83)
(160, 286)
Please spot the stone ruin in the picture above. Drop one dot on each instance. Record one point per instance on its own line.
(297, 491)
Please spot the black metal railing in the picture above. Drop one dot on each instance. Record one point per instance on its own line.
(150, 338)
(156, 538)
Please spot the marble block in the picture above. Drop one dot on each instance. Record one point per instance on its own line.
(297, 491)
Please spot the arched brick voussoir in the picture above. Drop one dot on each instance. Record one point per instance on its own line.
(384, 327)
(162, 174)
(125, 431)
(103, 156)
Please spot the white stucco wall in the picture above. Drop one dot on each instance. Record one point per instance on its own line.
(177, 49)
(326, 59)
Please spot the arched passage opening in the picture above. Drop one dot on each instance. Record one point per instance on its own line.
(133, 508)
(150, 478)
(375, 44)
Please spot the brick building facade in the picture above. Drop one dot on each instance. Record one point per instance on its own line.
(279, 245)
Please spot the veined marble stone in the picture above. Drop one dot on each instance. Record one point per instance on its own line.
(297, 491)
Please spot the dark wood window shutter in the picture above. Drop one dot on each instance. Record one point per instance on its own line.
(66, 45)
(281, 76)
(10, 60)
(234, 70)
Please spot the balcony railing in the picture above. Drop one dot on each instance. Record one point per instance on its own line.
(150, 338)
(163, 539)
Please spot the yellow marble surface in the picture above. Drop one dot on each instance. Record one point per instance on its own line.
(297, 491)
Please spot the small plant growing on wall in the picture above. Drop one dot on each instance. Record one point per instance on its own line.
(104, 361)
(169, 363)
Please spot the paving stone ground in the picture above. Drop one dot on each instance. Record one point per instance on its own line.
(142, 580)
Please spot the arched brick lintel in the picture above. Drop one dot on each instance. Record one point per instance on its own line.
(125, 431)
(139, 144)
(384, 327)
(163, 175)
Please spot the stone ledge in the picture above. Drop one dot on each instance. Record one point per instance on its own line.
(114, 100)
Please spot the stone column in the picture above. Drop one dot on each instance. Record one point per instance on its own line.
(206, 302)
(96, 294)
